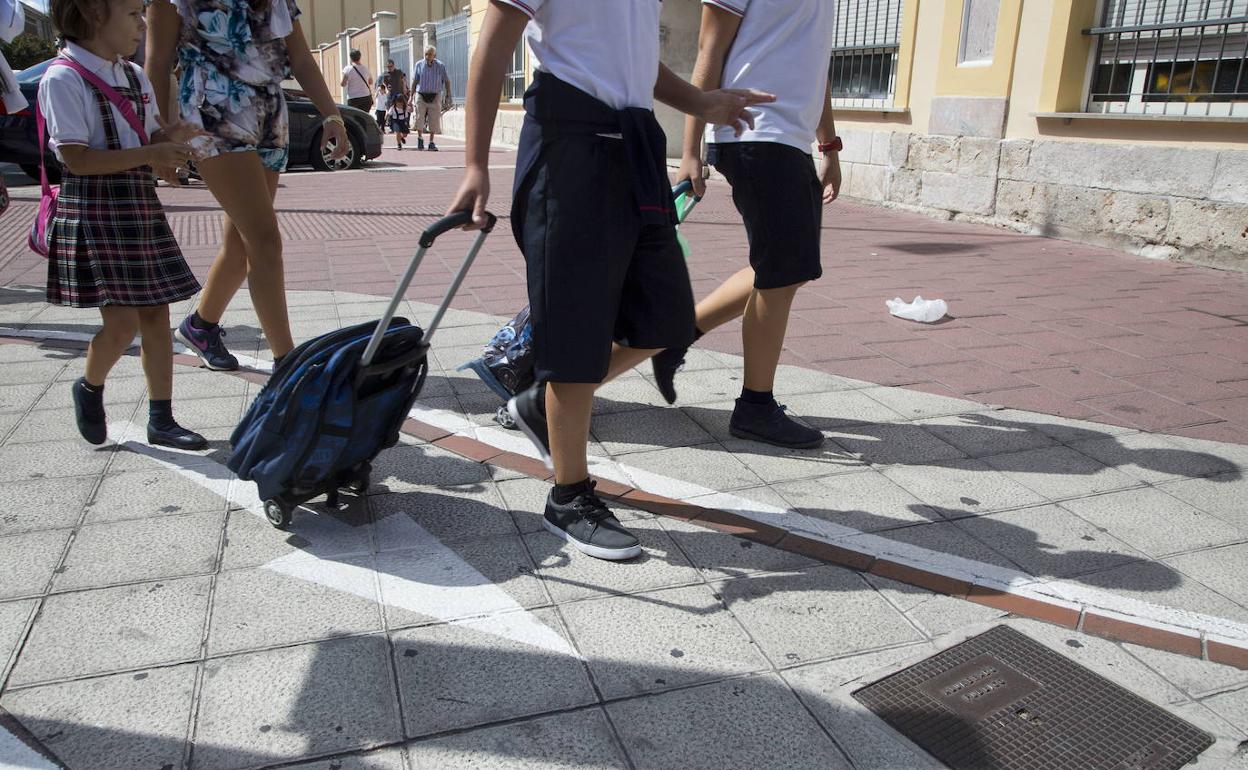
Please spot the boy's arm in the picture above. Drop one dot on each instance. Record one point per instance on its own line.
(718, 30)
(500, 34)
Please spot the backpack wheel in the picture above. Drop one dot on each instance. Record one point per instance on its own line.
(277, 512)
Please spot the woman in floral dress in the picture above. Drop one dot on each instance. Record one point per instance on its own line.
(233, 56)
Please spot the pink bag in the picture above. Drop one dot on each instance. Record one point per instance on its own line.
(38, 238)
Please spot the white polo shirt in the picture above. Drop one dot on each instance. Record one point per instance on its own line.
(359, 81)
(68, 103)
(607, 48)
(783, 47)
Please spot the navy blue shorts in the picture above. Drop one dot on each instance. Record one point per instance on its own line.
(596, 274)
(777, 192)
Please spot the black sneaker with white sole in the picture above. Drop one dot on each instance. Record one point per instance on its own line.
(590, 527)
(528, 410)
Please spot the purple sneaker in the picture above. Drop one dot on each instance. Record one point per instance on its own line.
(208, 344)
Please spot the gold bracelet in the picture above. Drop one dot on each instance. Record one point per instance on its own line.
(335, 119)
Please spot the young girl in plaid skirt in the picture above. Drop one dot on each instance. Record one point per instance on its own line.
(110, 246)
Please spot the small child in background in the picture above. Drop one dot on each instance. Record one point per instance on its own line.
(400, 118)
(380, 104)
(109, 244)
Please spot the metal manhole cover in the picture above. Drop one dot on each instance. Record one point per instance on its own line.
(1000, 701)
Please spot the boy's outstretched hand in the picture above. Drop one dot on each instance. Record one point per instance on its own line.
(730, 107)
(474, 193)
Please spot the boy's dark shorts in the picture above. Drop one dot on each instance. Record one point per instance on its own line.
(777, 192)
(595, 273)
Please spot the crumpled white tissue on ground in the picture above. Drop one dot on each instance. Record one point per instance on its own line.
(922, 310)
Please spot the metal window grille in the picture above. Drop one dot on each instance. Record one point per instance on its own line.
(514, 84)
(1171, 57)
(863, 69)
(451, 38)
(399, 49)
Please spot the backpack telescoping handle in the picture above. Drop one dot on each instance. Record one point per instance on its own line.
(431, 234)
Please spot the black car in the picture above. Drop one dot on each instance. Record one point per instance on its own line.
(19, 144)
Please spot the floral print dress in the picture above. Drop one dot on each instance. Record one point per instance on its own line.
(233, 61)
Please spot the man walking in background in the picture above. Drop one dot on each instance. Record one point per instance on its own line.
(432, 81)
(357, 80)
(396, 83)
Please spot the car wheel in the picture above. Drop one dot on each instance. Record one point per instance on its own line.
(321, 160)
(32, 170)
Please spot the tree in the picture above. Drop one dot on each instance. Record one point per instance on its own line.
(27, 50)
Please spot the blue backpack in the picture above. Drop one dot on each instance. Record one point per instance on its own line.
(337, 400)
(323, 416)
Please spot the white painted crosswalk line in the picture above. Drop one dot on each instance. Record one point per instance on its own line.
(422, 575)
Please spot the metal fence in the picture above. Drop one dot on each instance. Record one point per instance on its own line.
(400, 49)
(863, 69)
(1171, 57)
(451, 36)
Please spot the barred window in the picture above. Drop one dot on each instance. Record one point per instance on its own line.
(1171, 57)
(513, 84)
(863, 70)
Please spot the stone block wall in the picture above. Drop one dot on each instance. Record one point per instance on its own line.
(1157, 201)
(506, 126)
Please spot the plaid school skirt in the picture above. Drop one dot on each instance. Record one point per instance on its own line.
(110, 244)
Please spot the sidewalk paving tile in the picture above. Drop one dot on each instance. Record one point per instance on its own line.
(327, 697)
(440, 582)
(1161, 584)
(775, 465)
(259, 608)
(1047, 540)
(14, 618)
(118, 722)
(112, 629)
(1223, 495)
(970, 486)
(1060, 472)
(1149, 411)
(450, 514)
(1220, 569)
(579, 739)
(757, 723)
(678, 636)
(865, 738)
(915, 405)
(493, 669)
(570, 574)
(818, 613)
(979, 435)
(384, 759)
(895, 443)
(27, 562)
(719, 557)
(1231, 706)
(1153, 459)
(149, 493)
(692, 465)
(1196, 677)
(250, 541)
(648, 430)
(935, 614)
(52, 459)
(1154, 522)
(39, 504)
(141, 550)
(866, 501)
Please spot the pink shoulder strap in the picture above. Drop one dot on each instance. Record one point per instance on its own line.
(123, 105)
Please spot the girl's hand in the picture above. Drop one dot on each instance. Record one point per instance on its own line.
(335, 132)
(693, 169)
(474, 193)
(168, 154)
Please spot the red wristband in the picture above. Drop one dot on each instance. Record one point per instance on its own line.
(833, 146)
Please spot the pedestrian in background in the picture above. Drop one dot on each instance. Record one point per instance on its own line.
(399, 116)
(380, 103)
(432, 81)
(357, 80)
